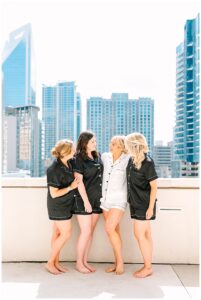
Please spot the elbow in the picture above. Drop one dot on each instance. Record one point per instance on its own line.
(53, 195)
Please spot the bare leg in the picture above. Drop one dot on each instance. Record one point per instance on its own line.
(142, 231)
(95, 218)
(55, 235)
(85, 222)
(113, 267)
(111, 225)
(65, 232)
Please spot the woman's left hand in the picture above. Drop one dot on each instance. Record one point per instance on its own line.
(149, 213)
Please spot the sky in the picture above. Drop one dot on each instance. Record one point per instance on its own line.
(107, 46)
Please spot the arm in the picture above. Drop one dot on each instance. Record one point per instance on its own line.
(55, 192)
(153, 185)
(82, 191)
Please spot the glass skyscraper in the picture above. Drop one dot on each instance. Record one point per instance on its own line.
(100, 120)
(21, 128)
(61, 111)
(120, 116)
(78, 113)
(145, 120)
(18, 69)
(187, 127)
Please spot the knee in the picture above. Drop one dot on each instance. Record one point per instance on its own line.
(86, 231)
(66, 234)
(141, 235)
(109, 228)
(138, 235)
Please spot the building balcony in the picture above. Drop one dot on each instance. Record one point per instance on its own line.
(26, 234)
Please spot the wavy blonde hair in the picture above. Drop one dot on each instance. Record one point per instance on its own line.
(120, 140)
(62, 147)
(136, 145)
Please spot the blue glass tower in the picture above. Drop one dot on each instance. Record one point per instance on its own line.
(18, 69)
(49, 117)
(18, 91)
(60, 115)
(99, 120)
(145, 120)
(79, 120)
(187, 127)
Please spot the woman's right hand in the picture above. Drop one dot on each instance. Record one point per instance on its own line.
(74, 184)
(88, 207)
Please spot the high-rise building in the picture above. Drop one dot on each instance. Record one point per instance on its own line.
(163, 159)
(18, 69)
(99, 120)
(187, 125)
(120, 103)
(78, 113)
(21, 140)
(120, 116)
(9, 140)
(60, 116)
(21, 147)
(145, 120)
(49, 120)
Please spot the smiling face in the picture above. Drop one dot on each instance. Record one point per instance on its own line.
(114, 146)
(91, 146)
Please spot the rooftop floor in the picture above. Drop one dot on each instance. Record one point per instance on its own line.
(31, 280)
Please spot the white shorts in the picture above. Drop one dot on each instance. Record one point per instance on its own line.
(107, 206)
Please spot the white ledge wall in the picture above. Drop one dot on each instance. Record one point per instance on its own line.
(26, 229)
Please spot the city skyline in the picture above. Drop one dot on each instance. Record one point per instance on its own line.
(113, 64)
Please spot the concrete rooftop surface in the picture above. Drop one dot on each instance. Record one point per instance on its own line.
(31, 280)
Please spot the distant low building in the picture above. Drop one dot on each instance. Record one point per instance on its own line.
(163, 159)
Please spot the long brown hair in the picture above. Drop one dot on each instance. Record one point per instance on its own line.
(83, 140)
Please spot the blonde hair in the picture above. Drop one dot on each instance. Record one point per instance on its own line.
(62, 147)
(137, 147)
(120, 140)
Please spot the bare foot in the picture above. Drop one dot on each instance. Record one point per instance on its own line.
(119, 269)
(138, 271)
(144, 273)
(61, 268)
(110, 269)
(52, 269)
(89, 267)
(82, 269)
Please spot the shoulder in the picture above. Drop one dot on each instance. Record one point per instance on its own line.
(77, 163)
(105, 155)
(149, 160)
(148, 164)
(52, 167)
(78, 158)
(126, 157)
